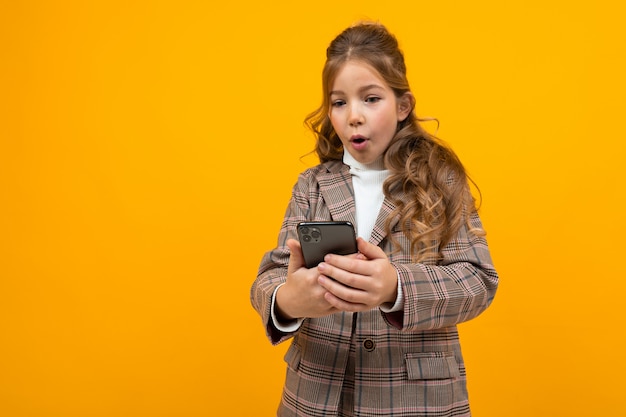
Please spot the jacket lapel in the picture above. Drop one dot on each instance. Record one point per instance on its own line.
(336, 188)
(338, 193)
(379, 233)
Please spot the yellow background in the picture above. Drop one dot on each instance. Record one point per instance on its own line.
(147, 153)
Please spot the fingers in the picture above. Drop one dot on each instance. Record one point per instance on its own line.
(355, 284)
(338, 266)
(348, 276)
(341, 305)
(359, 282)
(369, 250)
(343, 298)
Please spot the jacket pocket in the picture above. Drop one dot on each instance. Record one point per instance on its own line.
(431, 365)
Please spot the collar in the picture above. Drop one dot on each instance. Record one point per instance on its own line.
(377, 165)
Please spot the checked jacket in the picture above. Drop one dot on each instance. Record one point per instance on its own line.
(406, 363)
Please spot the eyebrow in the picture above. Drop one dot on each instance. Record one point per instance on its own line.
(362, 89)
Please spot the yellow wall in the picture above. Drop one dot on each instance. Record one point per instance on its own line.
(148, 149)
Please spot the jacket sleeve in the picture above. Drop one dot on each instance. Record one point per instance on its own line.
(458, 288)
(273, 269)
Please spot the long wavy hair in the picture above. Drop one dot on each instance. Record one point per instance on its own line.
(427, 183)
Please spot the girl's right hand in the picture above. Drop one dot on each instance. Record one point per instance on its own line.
(301, 296)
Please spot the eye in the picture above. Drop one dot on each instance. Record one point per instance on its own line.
(372, 99)
(338, 103)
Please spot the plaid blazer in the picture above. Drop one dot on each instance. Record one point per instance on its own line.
(407, 363)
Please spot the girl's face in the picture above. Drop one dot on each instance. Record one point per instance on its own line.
(364, 111)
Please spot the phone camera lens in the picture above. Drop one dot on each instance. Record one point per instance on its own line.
(305, 230)
(306, 238)
(315, 234)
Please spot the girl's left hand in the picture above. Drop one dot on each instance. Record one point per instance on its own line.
(359, 283)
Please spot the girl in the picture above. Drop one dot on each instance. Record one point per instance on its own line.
(380, 338)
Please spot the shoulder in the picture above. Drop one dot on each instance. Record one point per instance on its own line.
(324, 171)
(331, 178)
(324, 191)
(334, 166)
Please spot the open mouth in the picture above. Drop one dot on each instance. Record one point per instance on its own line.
(358, 140)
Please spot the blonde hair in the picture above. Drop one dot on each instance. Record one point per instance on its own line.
(421, 166)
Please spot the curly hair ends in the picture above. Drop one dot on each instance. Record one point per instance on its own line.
(429, 188)
(328, 145)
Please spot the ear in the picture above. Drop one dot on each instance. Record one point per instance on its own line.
(405, 105)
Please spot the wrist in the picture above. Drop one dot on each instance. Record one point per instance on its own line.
(282, 308)
(397, 302)
(395, 289)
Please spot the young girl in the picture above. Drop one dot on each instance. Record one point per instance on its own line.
(380, 337)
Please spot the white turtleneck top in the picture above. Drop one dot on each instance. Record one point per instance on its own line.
(367, 180)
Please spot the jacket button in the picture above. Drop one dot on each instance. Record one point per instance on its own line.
(369, 345)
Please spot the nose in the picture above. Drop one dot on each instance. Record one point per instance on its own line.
(355, 115)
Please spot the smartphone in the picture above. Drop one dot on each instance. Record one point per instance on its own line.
(321, 238)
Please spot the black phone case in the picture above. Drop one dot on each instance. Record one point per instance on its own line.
(320, 238)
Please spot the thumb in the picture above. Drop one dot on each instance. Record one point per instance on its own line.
(370, 251)
(296, 259)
